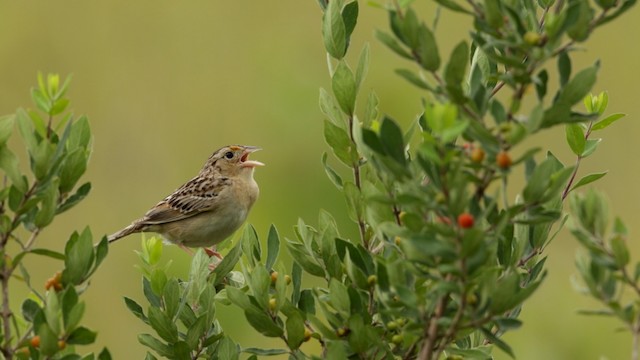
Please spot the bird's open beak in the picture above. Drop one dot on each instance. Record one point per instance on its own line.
(244, 160)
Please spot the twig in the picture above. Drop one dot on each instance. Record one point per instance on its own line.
(426, 353)
(6, 311)
(362, 227)
(567, 188)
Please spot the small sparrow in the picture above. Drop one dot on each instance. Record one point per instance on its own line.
(208, 208)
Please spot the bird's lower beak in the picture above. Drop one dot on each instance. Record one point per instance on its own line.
(244, 160)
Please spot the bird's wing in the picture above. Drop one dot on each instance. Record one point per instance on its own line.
(194, 197)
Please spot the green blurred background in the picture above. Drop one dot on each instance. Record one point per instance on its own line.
(165, 83)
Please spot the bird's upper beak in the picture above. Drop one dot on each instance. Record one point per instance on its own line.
(244, 160)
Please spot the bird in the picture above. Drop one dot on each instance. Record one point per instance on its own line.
(208, 208)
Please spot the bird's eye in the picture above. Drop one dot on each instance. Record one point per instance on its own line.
(229, 155)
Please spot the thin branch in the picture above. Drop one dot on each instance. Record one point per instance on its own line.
(7, 351)
(426, 353)
(567, 188)
(362, 226)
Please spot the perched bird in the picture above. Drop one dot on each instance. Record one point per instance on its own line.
(208, 208)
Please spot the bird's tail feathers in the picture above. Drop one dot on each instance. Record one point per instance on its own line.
(133, 228)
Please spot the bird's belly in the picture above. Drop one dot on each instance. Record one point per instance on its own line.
(204, 229)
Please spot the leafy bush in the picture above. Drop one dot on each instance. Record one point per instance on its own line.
(445, 257)
(58, 145)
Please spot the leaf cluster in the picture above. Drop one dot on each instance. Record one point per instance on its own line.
(58, 146)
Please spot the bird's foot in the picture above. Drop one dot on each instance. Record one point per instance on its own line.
(212, 252)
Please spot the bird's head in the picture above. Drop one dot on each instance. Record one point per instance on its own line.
(233, 160)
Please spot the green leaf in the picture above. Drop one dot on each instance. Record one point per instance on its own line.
(392, 140)
(363, 65)
(575, 138)
(41, 100)
(427, 49)
(101, 251)
(498, 342)
(392, 44)
(344, 87)
(239, 298)
(414, 79)
(588, 179)
(338, 139)
(78, 257)
(263, 323)
(265, 352)
(9, 164)
(104, 355)
(229, 261)
(307, 262)
(494, 14)
(6, 128)
(74, 199)
(48, 340)
(602, 124)
(581, 27)
(73, 317)
(579, 86)
(158, 346)
(564, 67)
(331, 173)
(454, 6)
(29, 309)
(334, 32)
(273, 246)
(171, 297)
(349, 17)
(620, 251)
(73, 167)
(454, 73)
(48, 205)
(196, 331)
(162, 324)
(541, 84)
(330, 108)
(339, 297)
(260, 282)
(81, 336)
(53, 312)
(295, 330)
(136, 309)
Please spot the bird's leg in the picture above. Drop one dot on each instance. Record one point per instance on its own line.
(212, 252)
(186, 249)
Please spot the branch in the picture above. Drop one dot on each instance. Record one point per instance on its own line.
(426, 353)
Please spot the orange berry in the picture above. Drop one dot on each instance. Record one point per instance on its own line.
(35, 341)
(465, 220)
(62, 344)
(503, 160)
(477, 155)
(54, 282)
(274, 277)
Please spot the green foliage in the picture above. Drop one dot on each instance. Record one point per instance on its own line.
(444, 259)
(605, 267)
(58, 147)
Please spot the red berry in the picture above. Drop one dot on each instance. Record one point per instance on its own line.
(35, 341)
(503, 160)
(465, 220)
